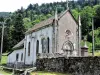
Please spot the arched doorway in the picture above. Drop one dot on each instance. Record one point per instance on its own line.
(68, 48)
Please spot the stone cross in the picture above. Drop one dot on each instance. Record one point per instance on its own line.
(67, 4)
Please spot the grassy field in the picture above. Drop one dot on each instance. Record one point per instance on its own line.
(35, 73)
(4, 60)
(5, 72)
(47, 73)
(97, 53)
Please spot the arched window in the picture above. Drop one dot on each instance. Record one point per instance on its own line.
(48, 44)
(21, 56)
(44, 45)
(37, 46)
(17, 56)
(29, 49)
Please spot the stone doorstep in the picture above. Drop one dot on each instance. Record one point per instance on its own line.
(31, 69)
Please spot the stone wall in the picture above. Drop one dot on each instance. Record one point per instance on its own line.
(73, 65)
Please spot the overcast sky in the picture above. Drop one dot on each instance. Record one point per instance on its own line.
(12, 5)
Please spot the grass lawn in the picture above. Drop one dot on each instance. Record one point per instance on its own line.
(35, 73)
(5, 72)
(97, 53)
(47, 73)
(4, 60)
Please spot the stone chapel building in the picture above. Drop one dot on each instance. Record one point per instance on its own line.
(57, 36)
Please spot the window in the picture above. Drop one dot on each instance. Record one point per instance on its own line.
(17, 56)
(29, 49)
(44, 45)
(21, 56)
(37, 47)
(48, 43)
(68, 32)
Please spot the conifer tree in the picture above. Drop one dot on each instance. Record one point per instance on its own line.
(18, 29)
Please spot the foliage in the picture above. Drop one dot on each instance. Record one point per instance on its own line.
(89, 45)
(86, 19)
(97, 38)
(27, 23)
(75, 13)
(97, 16)
(18, 31)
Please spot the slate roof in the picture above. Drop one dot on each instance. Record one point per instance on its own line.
(48, 22)
(41, 24)
(18, 46)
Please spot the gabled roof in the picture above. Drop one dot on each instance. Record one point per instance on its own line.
(41, 24)
(19, 45)
(48, 22)
(71, 15)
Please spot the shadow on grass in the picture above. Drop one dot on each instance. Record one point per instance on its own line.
(48, 73)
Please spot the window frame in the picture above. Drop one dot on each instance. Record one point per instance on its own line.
(29, 48)
(37, 46)
(22, 57)
(17, 56)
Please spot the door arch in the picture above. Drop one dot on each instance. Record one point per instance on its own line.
(68, 47)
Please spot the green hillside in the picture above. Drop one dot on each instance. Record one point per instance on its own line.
(4, 14)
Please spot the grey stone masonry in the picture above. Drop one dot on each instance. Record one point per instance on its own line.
(73, 65)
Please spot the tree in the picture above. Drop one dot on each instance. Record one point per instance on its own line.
(18, 30)
(75, 13)
(30, 7)
(7, 36)
(97, 16)
(86, 19)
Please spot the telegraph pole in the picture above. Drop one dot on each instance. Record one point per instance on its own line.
(3, 23)
(92, 37)
(79, 36)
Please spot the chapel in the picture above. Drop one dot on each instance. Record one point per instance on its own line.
(57, 36)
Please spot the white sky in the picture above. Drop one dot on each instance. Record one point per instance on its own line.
(12, 5)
